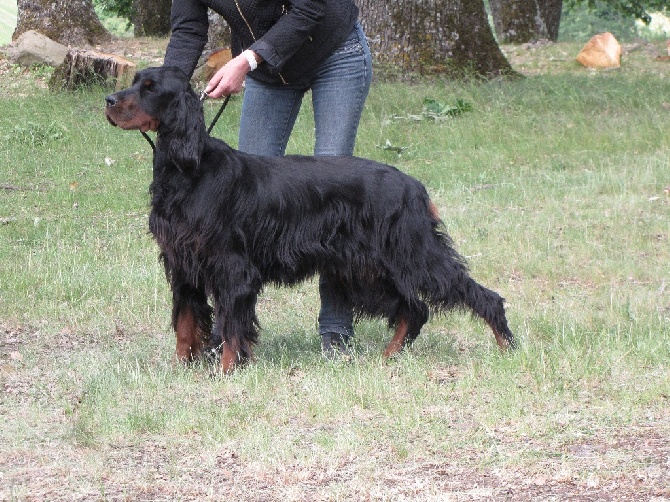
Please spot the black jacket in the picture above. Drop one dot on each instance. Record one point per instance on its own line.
(292, 36)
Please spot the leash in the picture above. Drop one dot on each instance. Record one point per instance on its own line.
(146, 136)
(203, 97)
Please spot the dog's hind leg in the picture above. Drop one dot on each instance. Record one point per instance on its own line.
(399, 339)
(408, 325)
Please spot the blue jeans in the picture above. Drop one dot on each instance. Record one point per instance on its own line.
(338, 90)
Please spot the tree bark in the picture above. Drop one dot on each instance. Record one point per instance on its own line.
(69, 22)
(450, 37)
(218, 35)
(522, 21)
(151, 18)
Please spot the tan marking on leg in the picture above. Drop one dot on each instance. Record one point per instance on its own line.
(398, 341)
(502, 342)
(228, 359)
(188, 340)
(434, 211)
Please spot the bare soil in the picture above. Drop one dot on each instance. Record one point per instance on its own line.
(634, 462)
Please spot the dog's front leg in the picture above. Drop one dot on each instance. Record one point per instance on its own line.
(229, 358)
(233, 354)
(188, 348)
(236, 324)
(192, 322)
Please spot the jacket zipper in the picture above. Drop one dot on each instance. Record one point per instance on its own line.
(239, 9)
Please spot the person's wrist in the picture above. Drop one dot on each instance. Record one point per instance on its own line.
(251, 59)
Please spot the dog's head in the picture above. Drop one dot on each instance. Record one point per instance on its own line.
(161, 99)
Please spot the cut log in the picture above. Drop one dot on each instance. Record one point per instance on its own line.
(87, 68)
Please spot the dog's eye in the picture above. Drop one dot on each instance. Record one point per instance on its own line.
(149, 85)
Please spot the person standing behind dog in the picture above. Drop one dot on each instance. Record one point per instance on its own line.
(282, 49)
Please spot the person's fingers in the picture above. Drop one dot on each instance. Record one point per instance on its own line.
(228, 80)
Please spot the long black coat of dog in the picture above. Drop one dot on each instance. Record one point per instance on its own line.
(227, 223)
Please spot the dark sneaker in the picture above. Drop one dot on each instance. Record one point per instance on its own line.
(336, 346)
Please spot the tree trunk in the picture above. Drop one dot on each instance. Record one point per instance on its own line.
(69, 22)
(151, 18)
(451, 37)
(522, 21)
(218, 35)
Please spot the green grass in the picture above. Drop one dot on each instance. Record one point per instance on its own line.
(8, 10)
(556, 189)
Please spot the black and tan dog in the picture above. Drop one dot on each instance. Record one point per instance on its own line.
(228, 223)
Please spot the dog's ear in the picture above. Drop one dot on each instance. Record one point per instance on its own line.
(187, 137)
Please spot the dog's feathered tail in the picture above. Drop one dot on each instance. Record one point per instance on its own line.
(451, 287)
(436, 277)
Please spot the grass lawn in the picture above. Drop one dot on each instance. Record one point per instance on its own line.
(555, 187)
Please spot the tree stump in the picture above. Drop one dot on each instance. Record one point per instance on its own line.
(87, 68)
(602, 51)
(213, 62)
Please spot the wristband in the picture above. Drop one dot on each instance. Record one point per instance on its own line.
(251, 59)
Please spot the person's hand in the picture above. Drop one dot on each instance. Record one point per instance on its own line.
(229, 79)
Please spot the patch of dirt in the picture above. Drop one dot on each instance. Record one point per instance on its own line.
(544, 57)
(628, 464)
(139, 50)
(153, 470)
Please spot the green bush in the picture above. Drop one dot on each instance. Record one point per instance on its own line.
(115, 15)
(579, 24)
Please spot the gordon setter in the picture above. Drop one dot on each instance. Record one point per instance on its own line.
(227, 223)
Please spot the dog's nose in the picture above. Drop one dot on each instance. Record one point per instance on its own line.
(111, 100)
